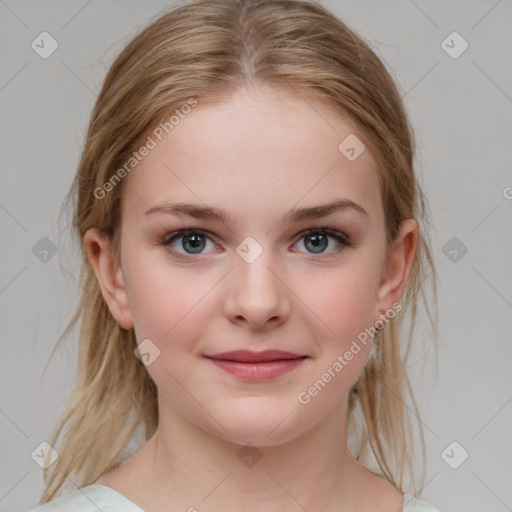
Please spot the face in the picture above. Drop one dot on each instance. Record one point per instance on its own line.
(256, 279)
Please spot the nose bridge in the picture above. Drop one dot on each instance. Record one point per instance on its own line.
(252, 266)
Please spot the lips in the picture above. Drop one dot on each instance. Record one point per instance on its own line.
(257, 366)
(249, 356)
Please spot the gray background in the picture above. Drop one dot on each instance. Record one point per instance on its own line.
(461, 110)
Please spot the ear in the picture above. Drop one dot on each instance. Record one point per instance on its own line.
(109, 275)
(398, 265)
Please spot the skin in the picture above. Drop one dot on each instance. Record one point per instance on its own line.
(257, 156)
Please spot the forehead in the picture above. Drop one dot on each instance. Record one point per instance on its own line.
(258, 152)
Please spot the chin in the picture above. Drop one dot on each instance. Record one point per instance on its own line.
(260, 429)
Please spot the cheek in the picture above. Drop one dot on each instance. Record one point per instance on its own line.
(343, 299)
(158, 295)
(166, 301)
(343, 306)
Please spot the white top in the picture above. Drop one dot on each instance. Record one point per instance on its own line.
(92, 498)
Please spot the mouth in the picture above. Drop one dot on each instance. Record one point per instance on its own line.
(249, 356)
(249, 365)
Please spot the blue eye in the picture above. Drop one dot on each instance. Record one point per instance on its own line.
(191, 240)
(319, 239)
(194, 241)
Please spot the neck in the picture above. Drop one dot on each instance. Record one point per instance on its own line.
(189, 467)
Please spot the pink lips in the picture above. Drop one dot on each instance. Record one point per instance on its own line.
(250, 365)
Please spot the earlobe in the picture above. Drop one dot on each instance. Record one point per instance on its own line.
(109, 275)
(398, 264)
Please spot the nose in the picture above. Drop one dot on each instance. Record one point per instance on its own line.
(257, 295)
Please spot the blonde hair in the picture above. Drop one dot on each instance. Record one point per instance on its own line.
(208, 49)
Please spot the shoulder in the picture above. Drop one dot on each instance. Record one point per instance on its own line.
(412, 504)
(89, 499)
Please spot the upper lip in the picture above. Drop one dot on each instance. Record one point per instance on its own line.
(249, 356)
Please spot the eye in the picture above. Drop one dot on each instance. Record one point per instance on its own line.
(317, 240)
(193, 242)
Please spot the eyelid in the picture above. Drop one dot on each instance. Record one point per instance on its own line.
(169, 237)
(332, 232)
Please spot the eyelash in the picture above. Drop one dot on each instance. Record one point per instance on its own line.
(340, 237)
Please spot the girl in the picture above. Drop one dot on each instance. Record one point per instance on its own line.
(248, 215)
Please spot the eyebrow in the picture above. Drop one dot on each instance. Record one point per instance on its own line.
(294, 215)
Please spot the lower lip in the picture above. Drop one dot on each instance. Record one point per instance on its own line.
(258, 371)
